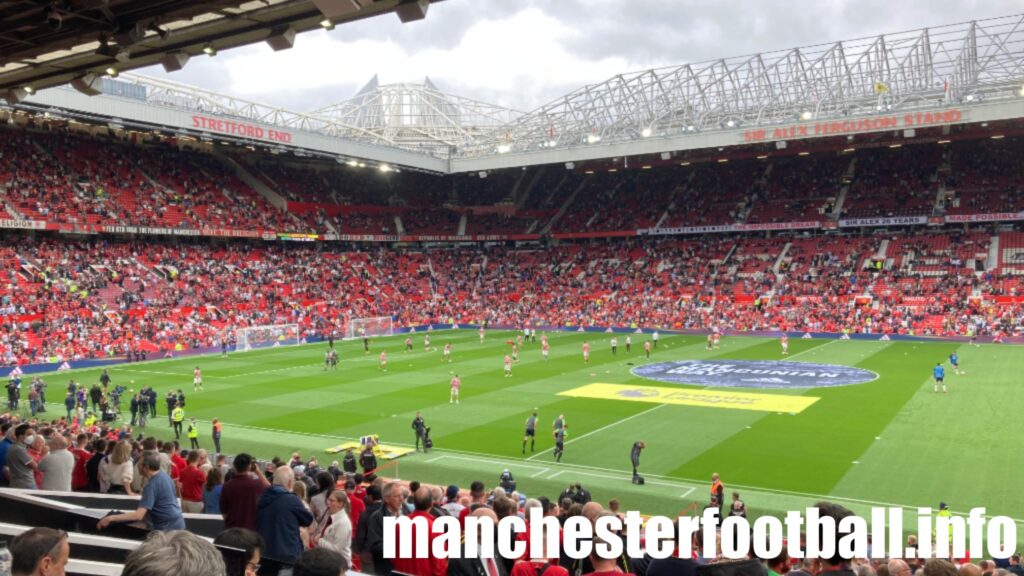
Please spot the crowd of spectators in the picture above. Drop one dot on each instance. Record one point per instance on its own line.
(327, 521)
(67, 300)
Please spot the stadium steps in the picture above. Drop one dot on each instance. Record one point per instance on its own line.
(523, 194)
(837, 210)
(399, 227)
(564, 207)
(461, 231)
(992, 261)
(12, 212)
(274, 198)
(780, 259)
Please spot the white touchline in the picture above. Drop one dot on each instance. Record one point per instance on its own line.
(601, 429)
(441, 457)
(688, 492)
(555, 475)
(540, 472)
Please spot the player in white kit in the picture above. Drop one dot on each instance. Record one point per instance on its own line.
(453, 396)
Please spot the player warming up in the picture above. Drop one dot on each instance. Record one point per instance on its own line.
(426, 342)
(447, 354)
(710, 342)
(384, 360)
(586, 352)
(544, 351)
(531, 432)
(453, 396)
(954, 361)
(785, 344)
(508, 366)
(408, 344)
(939, 374)
(515, 354)
(647, 349)
(197, 380)
(481, 332)
(558, 431)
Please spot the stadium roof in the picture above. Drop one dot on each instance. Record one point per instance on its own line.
(54, 42)
(967, 73)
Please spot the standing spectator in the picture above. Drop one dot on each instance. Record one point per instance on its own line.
(120, 469)
(280, 516)
(320, 562)
(179, 553)
(374, 540)
(159, 503)
(217, 429)
(336, 530)
(242, 539)
(7, 432)
(92, 467)
(489, 566)
(21, 467)
(57, 466)
(240, 495)
(79, 477)
(40, 551)
(431, 566)
(212, 490)
(192, 481)
(318, 503)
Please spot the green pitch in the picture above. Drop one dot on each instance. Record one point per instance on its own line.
(892, 441)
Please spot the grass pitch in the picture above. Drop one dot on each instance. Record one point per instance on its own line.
(891, 441)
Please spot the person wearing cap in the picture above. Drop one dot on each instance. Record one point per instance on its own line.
(451, 501)
(507, 482)
(193, 434)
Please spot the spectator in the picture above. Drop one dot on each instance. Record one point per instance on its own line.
(320, 562)
(40, 552)
(280, 517)
(57, 466)
(430, 566)
(92, 467)
(119, 471)
(487, 566)
(212, 491)
(174, 553)
(21, 467)
(374, 540)
(159, 503)
(336, 531)
(318, 503)
(247, 541)
(240, 494)
(192, 481)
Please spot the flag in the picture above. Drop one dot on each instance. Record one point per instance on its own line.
(16, 372)
(881, 88)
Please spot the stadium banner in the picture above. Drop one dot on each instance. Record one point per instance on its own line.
(854, 126)
(688, 397)
(466, 237)
(993, 217)
(23, 224)
(598, 234)
(725, 228)
(361, 237)
(894, 221)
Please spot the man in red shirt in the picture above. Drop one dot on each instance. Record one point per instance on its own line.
(430, 566)
(239, 496)
(356, 506)
(192, 481)
(79, 477)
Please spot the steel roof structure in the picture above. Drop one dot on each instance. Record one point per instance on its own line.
(976, 67)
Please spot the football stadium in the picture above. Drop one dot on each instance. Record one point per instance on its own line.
(236, 338)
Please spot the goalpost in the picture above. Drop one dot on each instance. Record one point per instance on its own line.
(269, 336)
(370, 327)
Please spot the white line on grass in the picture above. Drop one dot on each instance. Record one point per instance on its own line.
(688, 492)
(583, 468)
(542, 471)
(601, 429)
(555, 475)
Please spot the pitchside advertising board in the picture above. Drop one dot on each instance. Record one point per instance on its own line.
(754, 374)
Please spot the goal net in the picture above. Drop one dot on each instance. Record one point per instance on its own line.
(255, 337)
(370, 327)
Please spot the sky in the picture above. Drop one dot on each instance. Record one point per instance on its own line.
(524, 53)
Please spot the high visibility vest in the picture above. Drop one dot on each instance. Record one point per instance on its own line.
(193, 431)
(716, 486)
(178, 415)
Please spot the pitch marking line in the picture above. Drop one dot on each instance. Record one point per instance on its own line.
(541, 472)
(584, 469)
(601, 429)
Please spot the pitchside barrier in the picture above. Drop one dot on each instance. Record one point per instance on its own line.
(422, 329)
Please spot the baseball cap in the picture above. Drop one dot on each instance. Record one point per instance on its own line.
(453, 492)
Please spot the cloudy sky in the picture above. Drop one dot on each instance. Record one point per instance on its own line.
(524, 53)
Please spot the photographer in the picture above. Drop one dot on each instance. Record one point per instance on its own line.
(239, 496)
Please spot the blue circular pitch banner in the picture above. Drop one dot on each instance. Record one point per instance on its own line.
(754, 374)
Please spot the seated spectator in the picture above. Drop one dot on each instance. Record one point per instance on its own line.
(159, 503)
(247, 541)
(320, 562)
(280, 515)
(40, 552)
(174, 553)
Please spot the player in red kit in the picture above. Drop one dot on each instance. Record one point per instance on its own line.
(384, 361)
(453, 397)
(508, 366)
(647, 349)
(586, 352)
(785, 344)
(544, 348)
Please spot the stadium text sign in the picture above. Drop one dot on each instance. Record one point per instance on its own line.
(754, 373)
(240, 129)
(853, 126)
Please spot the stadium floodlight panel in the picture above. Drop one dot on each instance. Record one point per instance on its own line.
(209, 50)
(646, 132)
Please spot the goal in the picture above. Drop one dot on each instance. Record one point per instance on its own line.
(255, 337)
(370, 327)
